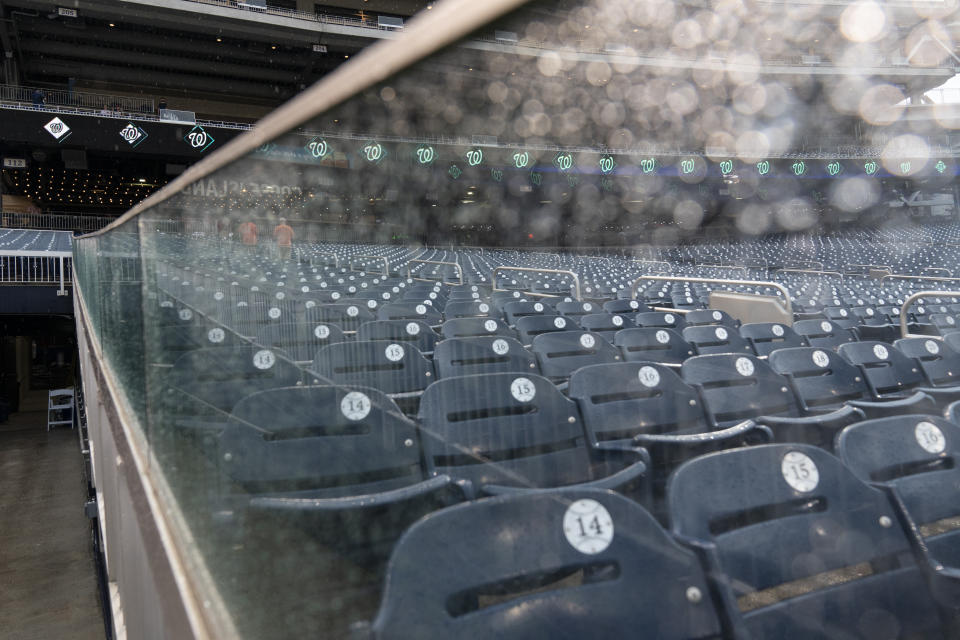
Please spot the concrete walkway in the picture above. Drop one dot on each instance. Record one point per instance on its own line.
(48, 584)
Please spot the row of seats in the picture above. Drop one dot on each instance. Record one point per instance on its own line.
(779, 540)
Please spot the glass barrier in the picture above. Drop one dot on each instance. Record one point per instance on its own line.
(640, 252)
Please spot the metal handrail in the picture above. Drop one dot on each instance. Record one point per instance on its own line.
(901, 276)
(386, 265)
(949, 274)
(904, 332)
(576, 278)
(723, 266)
(788, 306)
(846, 268)
(814, 271)
(452, 264)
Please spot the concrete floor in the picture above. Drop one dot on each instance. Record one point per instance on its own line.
(48, 584)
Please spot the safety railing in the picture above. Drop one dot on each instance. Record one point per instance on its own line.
(386, 265)
(53, 221)
(818, 272)
(905, 307)
(37, 268)
(575, 277)
(450, 264)
(902, 276)
(788, 306)
(67, 98)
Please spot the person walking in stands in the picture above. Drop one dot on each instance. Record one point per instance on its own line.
(283, 234)
(38, 99)
(248, 236)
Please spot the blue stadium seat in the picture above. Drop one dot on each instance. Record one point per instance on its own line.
(517, 309)
(823, 333)
(484, 354)
(410, 311)
(823, 381)
(707, 339)
(766, 337)
(521, 566)
(563, 352)
(734, 388)
(648, 344)
(504, 432)
(475, 327)
(604, 324)
(798, 547)
(701, 317)
(891, 374)
(300, 340)
(913, 459)
(342, 461)
(529, 327)
(660, 320)
(413, 332)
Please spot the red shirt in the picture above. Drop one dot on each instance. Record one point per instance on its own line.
(283, 235)
(248, 233)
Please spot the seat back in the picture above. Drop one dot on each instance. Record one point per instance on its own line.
(766, 337)
(301, 340)
(886, 370)
(330, 439)
(413, 332)
(573, 308)
(734, 388)
(214, 379)
(823, 333)
(701, 317)
(562, 352)
(348, 316)
(517, 309)
(819, 377)
(390, 367)
(619, 401)
(410, 311)
(625, 307)
(467, 309)
(939, 362)
(475, 327)
(716, 339)
(604, 324)
(803, 546)
(483, 354)
(503, 428)
(529, 327)
(661, 320)
(471, 569)
(648, 344)
(915, 456)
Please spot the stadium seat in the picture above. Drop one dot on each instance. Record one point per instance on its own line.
(413, 332)
(475, 327)
(529, 327)
(504, 432)
(766, 337)
(939, 362)
(660, 320)
(557, 564)
(824, 381)
(734, 388)
(891, 374)
(912, 459)
(604, 324)
(823, 333)
(467, 309)
(798, 547)
(515, 310)
(399, 370)
(647, 405)
(561, 353)
(706, 339)
(300, 340)
(483, 354)
(625, 307)
(343, 461)
(701, 317)
(410, 311)
(647, 344)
